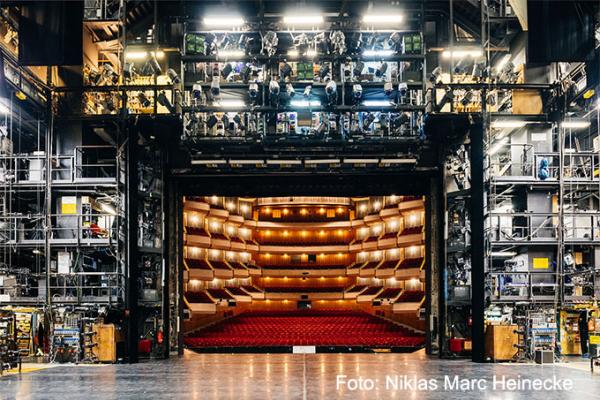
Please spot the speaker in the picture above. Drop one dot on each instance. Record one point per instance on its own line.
(544, 357)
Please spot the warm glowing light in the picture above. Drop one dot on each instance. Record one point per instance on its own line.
(322, 278)
(378, 19)
(340, 232)
(268, 233)
(268, 210)
(362, 208)
(321, 210)
(214, 199)
(321, 232)
(340, 210)
(214, 225)
(412, 219)
(285, 233)
(303, 211)
(340, 255)
(285, 255)
(286, 211)
(376, 205)
(244, 208)
(303, 19)
(223, 21)
(268, 255)
(230, 205)
(194, 219)
(393, 224)
(303, 233)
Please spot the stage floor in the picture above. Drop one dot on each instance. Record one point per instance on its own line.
(301, 376)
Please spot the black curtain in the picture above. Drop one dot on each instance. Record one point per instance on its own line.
(51, 33)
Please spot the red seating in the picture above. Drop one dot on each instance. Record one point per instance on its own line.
(389, 293)
(197, 264)
(357, 288)
(389, 264)
(304, 327)
(411, 263)
(220, 265)
(236, 291)
(251, 289)
(371, 291)
(196, 230)
(412, 230)
(198, 297)
(219, 294)
(303, 289)
(411, 296)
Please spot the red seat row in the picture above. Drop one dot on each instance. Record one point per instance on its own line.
(304, 327)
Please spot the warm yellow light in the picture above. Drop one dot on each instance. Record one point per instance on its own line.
(285, 233)
(230, 205)
(286, 211)
(194, 219)
(214, 199)
(303, 211)
(376, 205)
(267, 210)
(340, 232)
(321, 210)
(340, 210)
(303, 233)
(321, 232)
(268, 233)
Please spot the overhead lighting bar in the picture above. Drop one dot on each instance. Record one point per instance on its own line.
(247, 162)
(503, 253)
(398, 161)
(223, 21)
(576, 124)
(378, 53)
(462, 53)
(322, 161)
(377, 19)
(361, 160)
(142, 55)
(509, 124)
(284, 162)
(208, 162)
(230, 53)
(305, 103)
(376, 103)
(303, 19)
(231, 103)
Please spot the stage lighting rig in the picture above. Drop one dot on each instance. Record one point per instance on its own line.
(322, 43)
(143, 99)
(436, 75)
(324, 72)
(395, 41)
(269, 43)
(215, 86)
(165, 102)
(357, 70)
(289, 89)
(197, 92)
(381, 70)
(357, 92)
(129, 71)
(448, 98)
(253, 90)
(226, 71)
(152, 66)
(285, 70)
(368, 121)
(467, 98)
(173, 76)
(402, 89)
(301, 43)
(274, 91)
(331, 91)
(307, 91)
(338, 41)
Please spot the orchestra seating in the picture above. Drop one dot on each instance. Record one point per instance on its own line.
(304, 327)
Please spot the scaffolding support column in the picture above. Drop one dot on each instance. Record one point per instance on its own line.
(477, 241)
(132, 246)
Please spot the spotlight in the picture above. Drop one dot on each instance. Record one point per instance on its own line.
(289, 89)
(226, 71)
(129, 71)
(338, 40)
(307, 91)
(368, 121)
(402, 89)
(388, 88)
(324, 71)
(144, 101)
(467, 98)
(395, 40)
(448, 98)
(357, 91)
(274, 90)
(215, 86)
(381, 70)
(285, 70)
(459, 67)
(164, 101)
(399, 120)
(253, 90)
(192, 121)
(478, 71)
(197, 91)
(491, 99)
(269, 43)
(331, 91)
(173, 76)
(211, 121)
(436, 75)
(358, 68)
(245, 72)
